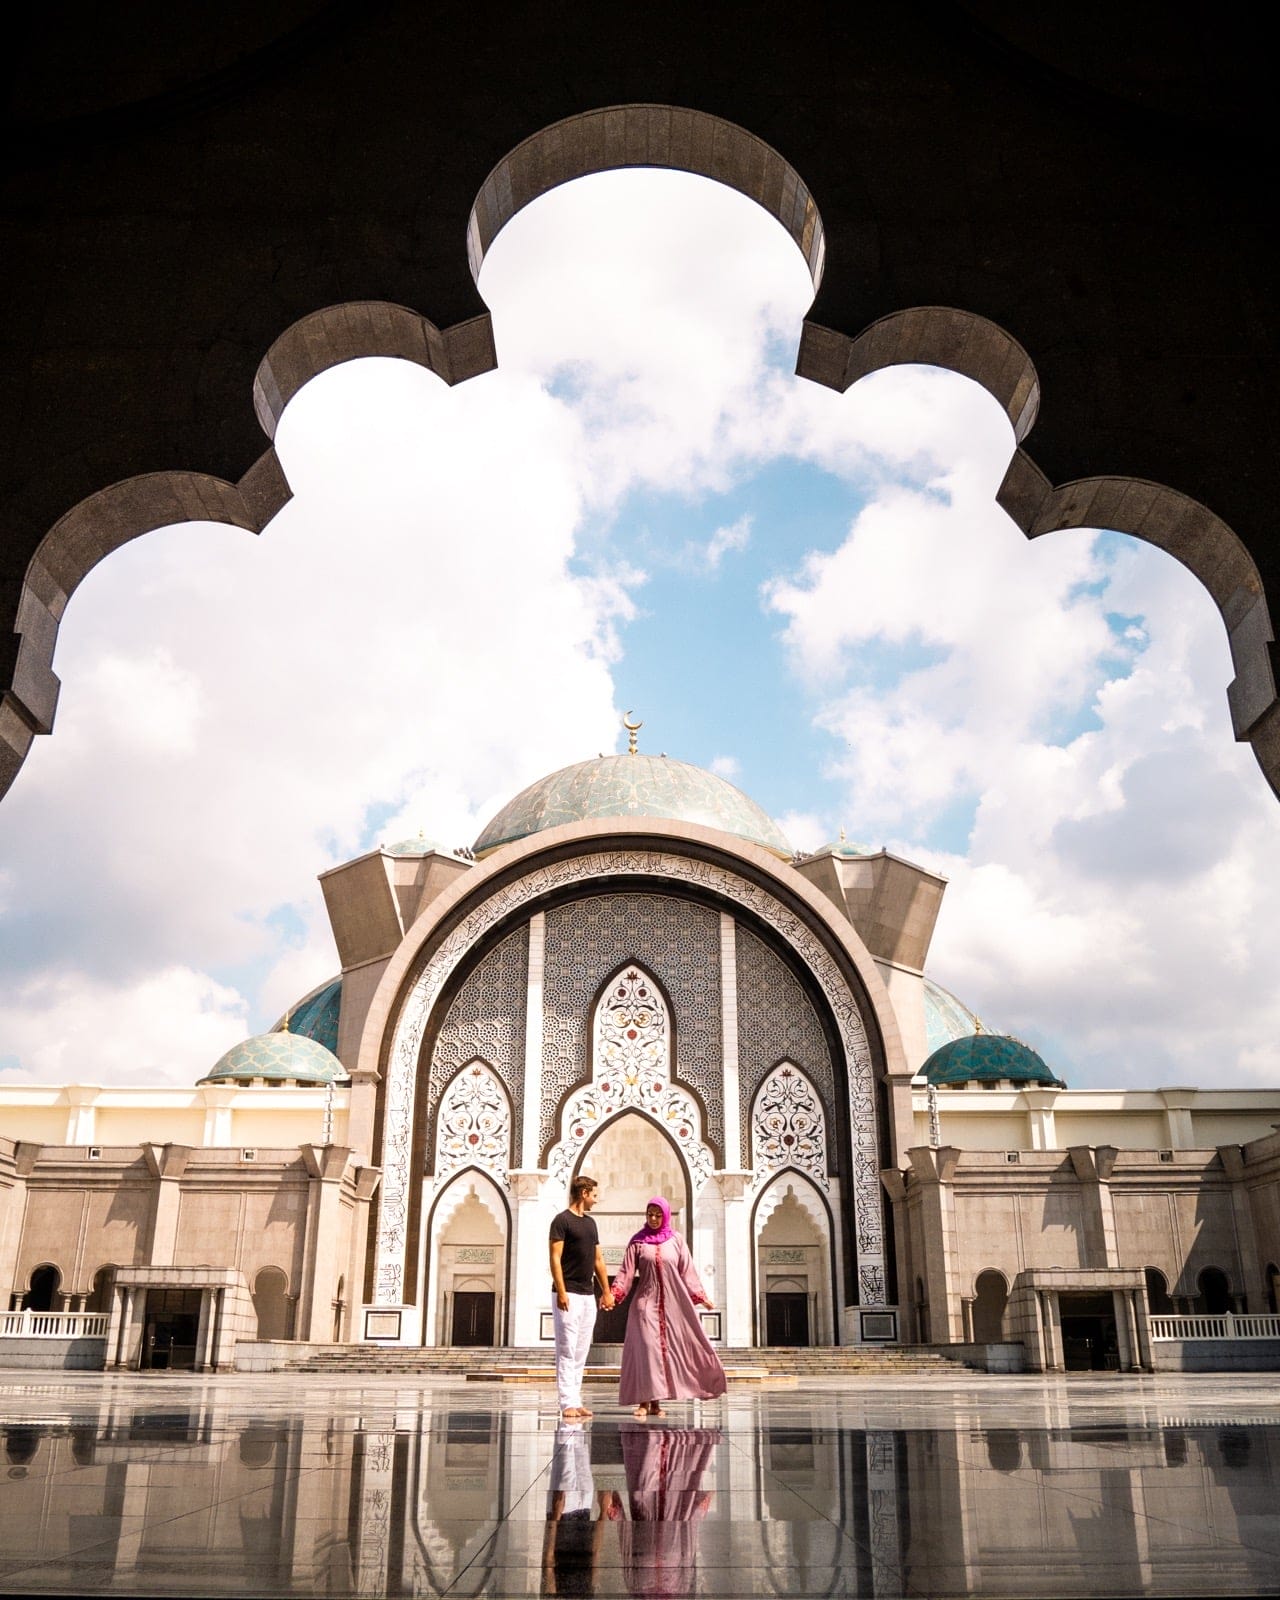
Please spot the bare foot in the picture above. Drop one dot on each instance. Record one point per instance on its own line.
(640, 1411)
(574, 1414)
(656, 1411)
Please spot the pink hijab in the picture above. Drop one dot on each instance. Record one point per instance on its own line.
(648, 1235)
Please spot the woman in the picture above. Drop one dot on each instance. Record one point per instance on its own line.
(666, 1355)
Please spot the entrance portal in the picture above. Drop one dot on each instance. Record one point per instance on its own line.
(473, 1316)
(1089, 1339)
(173, 1320)
(632, 1160)
(786, 1316)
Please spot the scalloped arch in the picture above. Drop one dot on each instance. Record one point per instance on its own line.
(470, 1181)
(672, 137)
(791, 1181)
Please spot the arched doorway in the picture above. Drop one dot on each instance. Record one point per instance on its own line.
(632, 1160)
(793, 1265)
(468, 1268)
(271, 1303)
(1159, 1303)
(991, 1296)
(1215, 1292)
(43, 1290)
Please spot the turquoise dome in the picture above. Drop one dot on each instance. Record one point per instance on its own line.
(632, 786)
(277, 1058)
(316, 1017)
(945, 1017)
(988, 1058)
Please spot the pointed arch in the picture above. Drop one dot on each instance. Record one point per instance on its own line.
(631, 1070)
(468, 1183)
(473, 1124)
(816, 1208)
(788, 1126)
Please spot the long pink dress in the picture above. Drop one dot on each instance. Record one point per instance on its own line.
(665, 1355)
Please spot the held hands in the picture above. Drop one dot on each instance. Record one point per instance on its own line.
(607, 1302)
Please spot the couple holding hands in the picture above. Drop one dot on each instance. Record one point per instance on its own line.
(666, 1355)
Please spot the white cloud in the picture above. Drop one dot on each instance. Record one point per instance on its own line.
(726, 767)
(736, 536)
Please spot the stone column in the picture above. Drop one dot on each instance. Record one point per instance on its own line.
(1093, 1169)
(735, 1157)
(734, 1296)
(326, 1166)
(166, 1163)
(81, 1113)
(1040, 1120)
(1253, 1282)
(934, 1170)
(532, 1211)
(218, 1099)
(1177, 1112)
(530, 1127)
(1126, 1343)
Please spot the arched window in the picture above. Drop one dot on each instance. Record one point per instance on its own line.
(1215, 1291)
(991, 1297)
(1158, 1302)
(45, 1284)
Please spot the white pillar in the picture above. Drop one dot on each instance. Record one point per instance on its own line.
(533, 1042)
(734, 1155)
(735, 1290)
(532, 1211)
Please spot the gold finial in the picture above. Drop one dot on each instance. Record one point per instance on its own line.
(842, 838)
(632, 729)
(284, 1026)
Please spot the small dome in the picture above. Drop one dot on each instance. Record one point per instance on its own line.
(988, 1058)
(945, 1017)
(278, 1058)
(632, 786)
(316, 1017)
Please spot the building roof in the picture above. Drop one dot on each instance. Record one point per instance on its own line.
(988, 1058)
(632, 785)
(278, 1058)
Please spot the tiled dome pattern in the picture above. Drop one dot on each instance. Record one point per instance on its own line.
(945, 1017)
(632, 786)
(316, 1017)
(988, 1058)
(278, 1057)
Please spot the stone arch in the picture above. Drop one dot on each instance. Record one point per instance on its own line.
(792, 1188)
(470, 1185)
(631, 1071)
(43, 1287)
(1213, 1291)
(990, 1302)
(788, 1126)
(1159, 1302)
(615, 1184)
(272, 1304)
(473, 1124)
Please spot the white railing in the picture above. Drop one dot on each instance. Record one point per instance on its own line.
(1226, 1326)
(53, 1324)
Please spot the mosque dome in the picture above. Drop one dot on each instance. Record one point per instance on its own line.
(945, 1017)
(988, 1058)
(278, 1058)
(316, 1016)
(632, 785)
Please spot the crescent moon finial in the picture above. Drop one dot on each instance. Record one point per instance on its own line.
(632, 729)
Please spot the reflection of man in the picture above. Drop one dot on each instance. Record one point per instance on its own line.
(577, 1262)
(571, 1545)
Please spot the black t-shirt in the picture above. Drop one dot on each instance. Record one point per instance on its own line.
(581, 1240)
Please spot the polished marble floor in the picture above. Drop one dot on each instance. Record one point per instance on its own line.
(966, 1485)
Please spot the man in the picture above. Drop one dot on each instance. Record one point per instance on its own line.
(576, 1261)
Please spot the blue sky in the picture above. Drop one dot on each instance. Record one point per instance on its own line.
(642, 508)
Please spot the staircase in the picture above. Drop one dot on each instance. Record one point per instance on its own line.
(536, 1365)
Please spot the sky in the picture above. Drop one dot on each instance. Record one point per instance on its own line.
(643, 509)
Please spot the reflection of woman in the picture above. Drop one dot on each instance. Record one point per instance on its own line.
(666, 1355)
(667, 1501)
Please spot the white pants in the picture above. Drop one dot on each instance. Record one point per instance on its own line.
(574, 1328)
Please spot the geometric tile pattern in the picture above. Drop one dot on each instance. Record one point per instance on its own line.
(277, 1056)
(587, 940)
(487, 1019)
(317, 1018)
(776, 1022)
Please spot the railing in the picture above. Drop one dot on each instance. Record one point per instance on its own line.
(1226, 1326)
(53, 1324)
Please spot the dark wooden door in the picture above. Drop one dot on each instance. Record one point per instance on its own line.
(473, 1316)
(786, 1318)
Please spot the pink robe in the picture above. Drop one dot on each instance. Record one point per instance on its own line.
(666, 1355)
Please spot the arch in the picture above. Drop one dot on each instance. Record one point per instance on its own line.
(990, 1301)
(739, 873)
(100, 1288)
(788, 1126)
(471, 1183)
(1273, 1287)
(1159, 1302)
(631, 1070)
(43, 1288)
(796, 1187)
(1213, 1291)
(473, 1124)
(589, 1160)
(272, 1304)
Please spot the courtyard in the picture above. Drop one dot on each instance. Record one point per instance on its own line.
(972, 1484)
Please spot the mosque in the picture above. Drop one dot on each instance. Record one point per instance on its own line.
(632, 973)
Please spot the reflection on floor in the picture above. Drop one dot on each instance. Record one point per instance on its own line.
(975, 1485)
